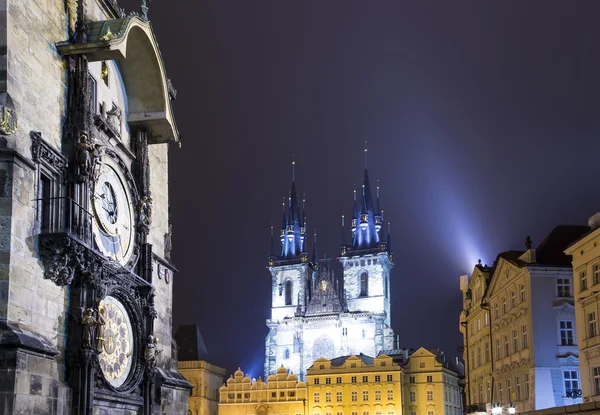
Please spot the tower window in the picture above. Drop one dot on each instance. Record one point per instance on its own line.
(286, 354)
(364, 284)
(288, 292)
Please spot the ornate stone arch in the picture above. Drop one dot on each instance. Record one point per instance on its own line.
(131, 43)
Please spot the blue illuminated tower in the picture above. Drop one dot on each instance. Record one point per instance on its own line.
(367, 263)
(291, 274)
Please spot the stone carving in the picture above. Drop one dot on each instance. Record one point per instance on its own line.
(42, 152)
(89, 325)
(85, 157)
(146, 211)
(528, 242)
(100, 326)
(72, 10)
(168, 243)
(172, 90)
(64, 259)
(8, 115)
(144, 13)
(151, 353)
(113, 118)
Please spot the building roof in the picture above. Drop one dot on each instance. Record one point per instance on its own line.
(551, 250)
(339, 361)
(449, 362)
(191, 343)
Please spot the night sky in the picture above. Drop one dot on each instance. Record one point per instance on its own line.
(483, 127)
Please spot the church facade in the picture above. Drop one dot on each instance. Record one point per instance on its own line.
(86, 277)
(316, 314)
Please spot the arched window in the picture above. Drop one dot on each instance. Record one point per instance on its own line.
(288, 292)
(364, 284)
(286, 354)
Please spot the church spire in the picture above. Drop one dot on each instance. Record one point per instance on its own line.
(367, 218)
(293, 231)
(315, 258)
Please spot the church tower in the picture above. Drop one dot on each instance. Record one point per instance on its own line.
(291, 274)
(367, 262)
(315, 313)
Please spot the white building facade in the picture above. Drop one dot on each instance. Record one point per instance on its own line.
(314, 314)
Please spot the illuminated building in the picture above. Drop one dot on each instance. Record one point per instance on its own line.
(432, 384)
(282, 394)
(355, 385)
(585, 254)
(86, 127)
(315, 314)
(518, 325)
(193, 364)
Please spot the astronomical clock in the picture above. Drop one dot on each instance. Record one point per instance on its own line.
(96, 232)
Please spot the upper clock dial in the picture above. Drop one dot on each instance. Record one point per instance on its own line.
(113, 212)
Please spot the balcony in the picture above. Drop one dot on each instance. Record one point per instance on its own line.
(64, 216)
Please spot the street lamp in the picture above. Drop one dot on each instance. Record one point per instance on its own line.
(497, 410)
(512, 410)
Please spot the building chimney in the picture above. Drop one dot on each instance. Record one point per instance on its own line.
(594, 221)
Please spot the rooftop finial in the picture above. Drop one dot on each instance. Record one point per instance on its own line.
(377, 187)
(145, 9)
(366, 154)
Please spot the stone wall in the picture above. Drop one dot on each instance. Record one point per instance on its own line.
(36, 73)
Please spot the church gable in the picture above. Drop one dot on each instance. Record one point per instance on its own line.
(325, 299)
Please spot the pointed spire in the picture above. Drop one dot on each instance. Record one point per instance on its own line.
(377, 204)
(343, 230)
(293, 168)
(271, 247)
(303, 221)
(315, 258)
(366, 153)
(389, 238)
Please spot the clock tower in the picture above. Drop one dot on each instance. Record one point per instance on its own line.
(86, 306)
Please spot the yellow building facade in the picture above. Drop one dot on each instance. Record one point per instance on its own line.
(421, 383)
(475, 327)
(206, 379)
(585, 254)
(355, 385)
(431, 385)
(282, 394)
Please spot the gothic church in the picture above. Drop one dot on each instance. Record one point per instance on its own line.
(314, 314)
